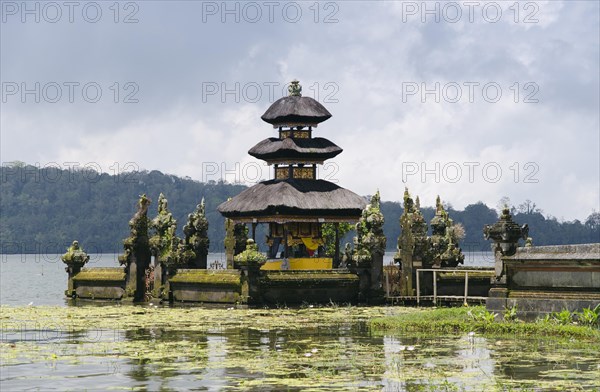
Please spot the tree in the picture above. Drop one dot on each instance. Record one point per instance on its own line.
(528, 207)
(504, 201)
(328, 232)
(593, 221)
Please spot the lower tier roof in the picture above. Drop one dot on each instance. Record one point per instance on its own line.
(294, 200)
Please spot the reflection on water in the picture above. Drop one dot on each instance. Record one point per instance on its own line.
(344, 355)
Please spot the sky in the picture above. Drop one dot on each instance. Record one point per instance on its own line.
(473, 101)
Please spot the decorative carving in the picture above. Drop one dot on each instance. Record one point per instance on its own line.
(505, 233)
(413, 237)
(417, 250)
(75, 258)
(529, 242)
(301, 134)
(444, 251)
(281, 173)
(138, 237)
(137, 254)
(370, 239)
(304, 173)
(162, 242)
(295, 89)
(196, 234)
(347, 257)
(250, 256)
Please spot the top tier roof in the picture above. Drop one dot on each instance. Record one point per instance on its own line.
(295, 110)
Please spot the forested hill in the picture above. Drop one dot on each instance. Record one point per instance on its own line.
(43, 210)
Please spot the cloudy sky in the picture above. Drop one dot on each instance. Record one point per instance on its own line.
(473, 101)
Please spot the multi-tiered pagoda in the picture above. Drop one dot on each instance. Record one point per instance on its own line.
(295, 203)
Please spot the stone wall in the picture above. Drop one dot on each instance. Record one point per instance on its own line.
(543, 279)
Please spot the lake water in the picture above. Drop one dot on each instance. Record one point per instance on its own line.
(169, 349)
(50, 346)
(41, 278)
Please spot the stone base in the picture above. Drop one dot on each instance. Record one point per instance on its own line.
(296, 287)
(213, 286)
(531, 305)
(99, 283)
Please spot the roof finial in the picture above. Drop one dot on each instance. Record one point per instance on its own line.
(295, 89)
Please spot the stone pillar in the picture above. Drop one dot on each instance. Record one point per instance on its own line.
(376, 287)
(131, 284)
(136, 258)
(72, 270)
(407, 274)
(251, 283)
(75, 259)
(229, 243)
(336, 257)
(159, 277)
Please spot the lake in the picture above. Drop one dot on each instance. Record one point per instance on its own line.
(310, 348)
(49, 345)
(41, 278)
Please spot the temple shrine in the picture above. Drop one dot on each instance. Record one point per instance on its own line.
(295, 204)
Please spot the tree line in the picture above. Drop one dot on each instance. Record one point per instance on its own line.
(43, 210)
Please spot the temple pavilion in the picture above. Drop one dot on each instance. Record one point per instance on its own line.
(295, 203)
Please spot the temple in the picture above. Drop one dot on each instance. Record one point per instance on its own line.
(304, 217)
(301, 211)
(295, 204)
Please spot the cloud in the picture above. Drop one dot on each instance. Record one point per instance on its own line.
(358, 67)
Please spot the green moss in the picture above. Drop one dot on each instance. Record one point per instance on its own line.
(101, 274)
(309, 277)
(455, 320)
(208, 277)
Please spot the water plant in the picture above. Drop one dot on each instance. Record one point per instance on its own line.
(482, 315)
(510, 313)
(589, 317)
(563, 317)
(310, 348)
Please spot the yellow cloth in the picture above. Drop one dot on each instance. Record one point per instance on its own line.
(311, 243)
(305, 263)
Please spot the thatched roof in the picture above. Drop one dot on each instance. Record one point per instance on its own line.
(316, 149)
(295, 110)
(294, 197)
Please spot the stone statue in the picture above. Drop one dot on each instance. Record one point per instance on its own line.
(75, 255)
(347, 257)
(295, 89)
(506, 233)
(196, 235)
(529, 242)
(75, 259)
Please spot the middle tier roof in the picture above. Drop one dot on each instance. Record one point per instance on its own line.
(275, 150)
